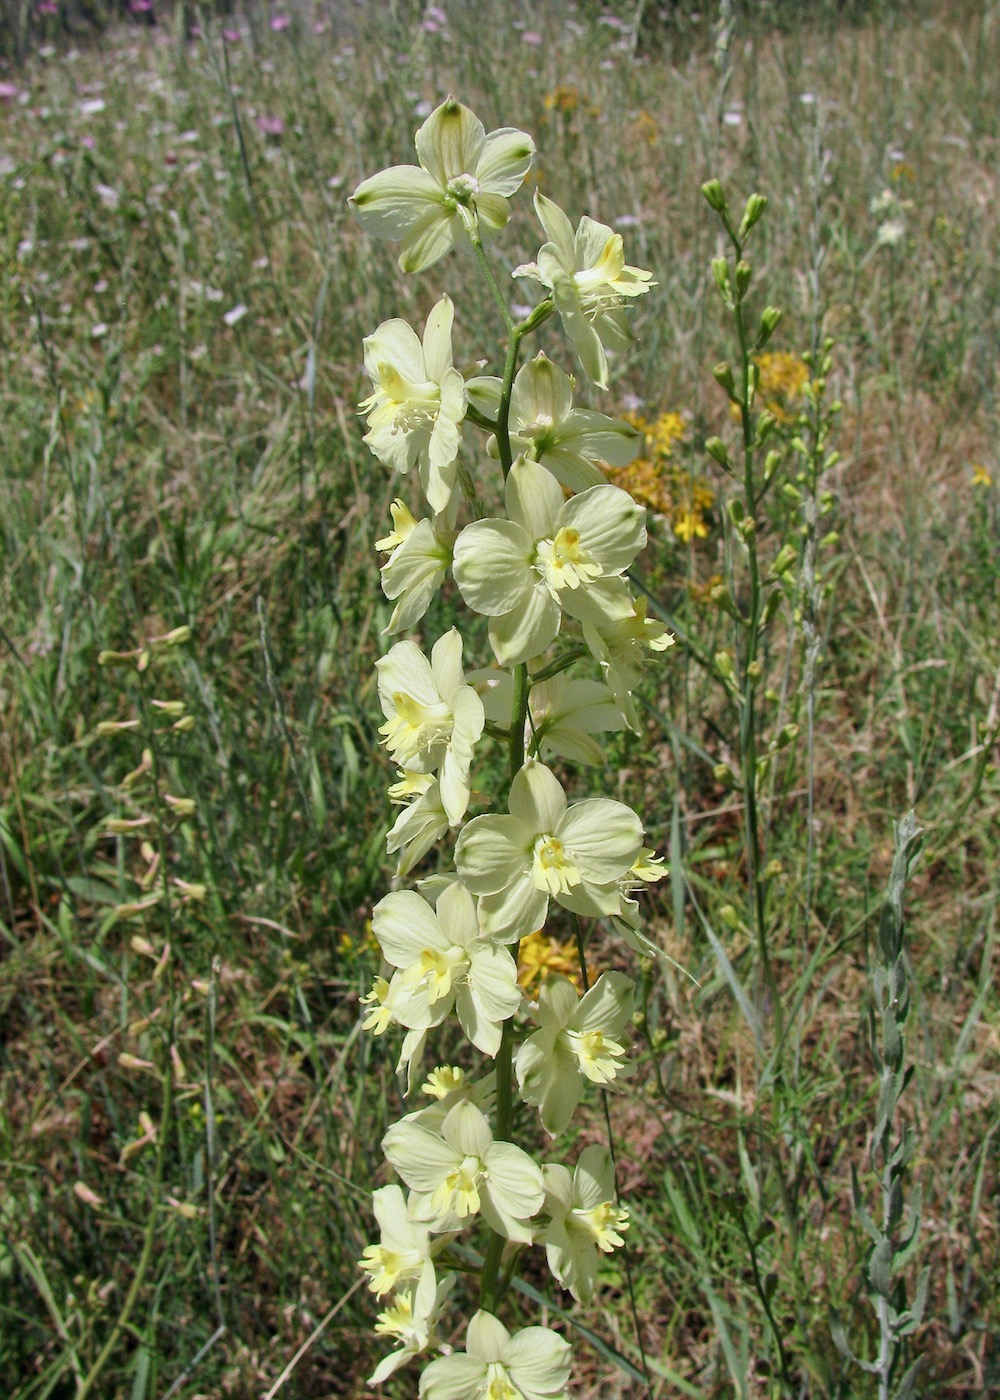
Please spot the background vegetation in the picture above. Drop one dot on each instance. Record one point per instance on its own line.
(191, 836)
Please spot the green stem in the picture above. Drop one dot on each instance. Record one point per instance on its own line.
(748, 710)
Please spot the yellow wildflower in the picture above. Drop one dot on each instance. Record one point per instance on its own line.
(563, 98)
(689, 523)
(782, 379)
(539, 954)
(980, 476)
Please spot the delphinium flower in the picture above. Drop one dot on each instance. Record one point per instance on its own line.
(619, 647)
(462, 171)
(563, 713)
(411, 1320)
(577, 1041)
(461, 1172)
(546, 848)
(547, 557)
(443, 963)
(417, 402)
(532, 1364)
(404, 1247)
(433, 719)
(584, 1219)
(545, 426)
(421, 823)
(419, 557)
(589, 280)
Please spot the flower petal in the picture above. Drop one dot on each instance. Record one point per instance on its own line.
(534, 499)
(504, 161)
(537, 798)
(450, 142)
(391, 202)
(404, 924)
(527, 630)
(492, 566)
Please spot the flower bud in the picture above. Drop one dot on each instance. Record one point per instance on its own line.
(743, 275)
(173, 708)
(184, 725)
(183, 806)
(112, 726)
(720, 271)
(791, 493)
(716, 449)
(174, 638)
(712, 190)
(786, 557)
(755, 671)
(723, 374)
(769, 319)
(724, 664)
(722, 773)
(752, 212)
(771, 464)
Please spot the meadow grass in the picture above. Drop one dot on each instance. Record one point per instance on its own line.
(181, 313)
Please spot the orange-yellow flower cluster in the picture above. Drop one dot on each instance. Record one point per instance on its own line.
(783, 377)
(661, 484)
(539, 954)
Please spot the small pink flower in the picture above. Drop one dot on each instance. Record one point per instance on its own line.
(88, 142)
(8, 91)
(48, 7)
(531, 36)
(270, 126)
(140, 7)
(231, 36)
(280, 22)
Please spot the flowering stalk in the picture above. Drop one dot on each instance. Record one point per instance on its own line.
(733, 283)
(552, 564)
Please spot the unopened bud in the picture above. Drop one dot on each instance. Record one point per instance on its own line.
(786, 557)
(722, 773)
(720, 271)
(121, 826)
(769, 319)
(771, 464)
(194, 893)
(723, 374)
(830, 539)
(185, 725)
(115, 658)
(83, 1193)
(724, 664)
(713, 192)
(791, 493)
(142, 945)
(112, 726)
(765, 425)
(752, 213)
(716, 449)
(755, 671)
(788, 735)
(174, 708)
(743, 275)
(133, 1062)
(183, 806)
(730, 917)
(175, 638)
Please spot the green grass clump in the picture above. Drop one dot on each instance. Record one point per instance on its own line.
(192, 832)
